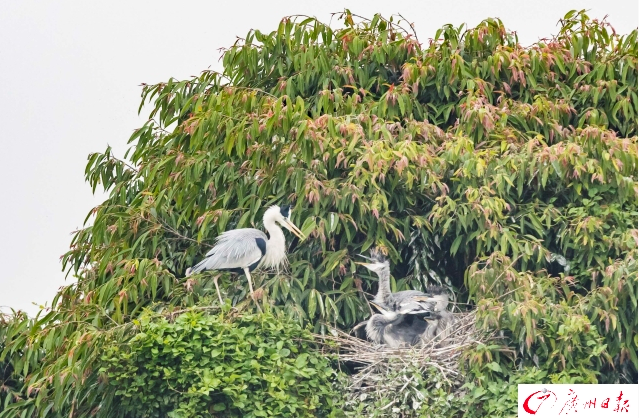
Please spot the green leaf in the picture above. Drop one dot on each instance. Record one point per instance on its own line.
(455, 246)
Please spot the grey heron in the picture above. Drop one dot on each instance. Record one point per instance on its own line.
(418, 322)
(243, 250)
(393, 302)
(441, 321)
(439, 326)
(401, 328)
(397, 325)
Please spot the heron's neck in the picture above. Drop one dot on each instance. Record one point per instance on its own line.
(275, 247)
(431, 329)
(393, 318)
(377, 325)
(384, 290)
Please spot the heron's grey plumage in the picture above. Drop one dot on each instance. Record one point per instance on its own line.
(416, 323)
(440, 326)
(385, 297)
(415, 306)
(408, 317)
(442, 321)
(243, 250)
(397, 329)
(233, 249)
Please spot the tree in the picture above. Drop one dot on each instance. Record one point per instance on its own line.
(507, 173)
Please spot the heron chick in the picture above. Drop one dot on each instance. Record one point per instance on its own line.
(418, 322)
(243, 250)
(385, 298)
(442, 321)
(398, 329)
(396, 324)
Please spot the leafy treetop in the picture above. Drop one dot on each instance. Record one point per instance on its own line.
(507, 173)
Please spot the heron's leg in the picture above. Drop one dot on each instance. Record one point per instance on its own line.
(248, 276)
(219, 295)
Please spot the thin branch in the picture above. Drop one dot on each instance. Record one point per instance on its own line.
(114, 158)
(175, 232)
(412, 26)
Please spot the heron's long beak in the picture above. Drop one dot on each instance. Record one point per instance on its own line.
(364, 257)
(379, 308)
(367, 265)
(387, 314)
(291, 227)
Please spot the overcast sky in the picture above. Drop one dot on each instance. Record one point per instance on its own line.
(70, 74)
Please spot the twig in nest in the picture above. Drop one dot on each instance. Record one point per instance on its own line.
(375, 363)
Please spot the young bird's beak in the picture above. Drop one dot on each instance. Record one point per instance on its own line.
(379, 308)
(367, 258)
(295, 230)
(387, 314)
(367, 265)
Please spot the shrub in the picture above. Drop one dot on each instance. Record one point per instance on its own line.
(218, 365)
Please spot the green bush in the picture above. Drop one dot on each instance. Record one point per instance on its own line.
(218, 365)
(421, 392)
(408, 390)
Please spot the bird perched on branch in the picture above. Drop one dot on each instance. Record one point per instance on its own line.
(243, 250)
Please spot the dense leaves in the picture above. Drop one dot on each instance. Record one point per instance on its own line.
(198, 365)
(507, 173)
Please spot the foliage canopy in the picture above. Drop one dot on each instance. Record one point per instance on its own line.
(507, 173)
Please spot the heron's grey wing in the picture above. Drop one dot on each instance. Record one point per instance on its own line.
(395, 330)
(237, 240)
(413, 307)
(438, 302)
(398, 298)
(380, 328)
(237, 248)
(409, 294)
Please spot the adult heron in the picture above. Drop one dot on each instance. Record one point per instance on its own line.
(243, 250)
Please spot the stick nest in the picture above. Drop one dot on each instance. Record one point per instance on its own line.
(400, 375)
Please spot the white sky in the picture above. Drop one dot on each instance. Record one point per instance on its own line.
(70, 74)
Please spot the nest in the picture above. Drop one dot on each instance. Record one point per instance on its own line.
(392, 374)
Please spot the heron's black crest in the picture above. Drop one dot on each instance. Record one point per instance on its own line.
(377, 255)
(285, 210)
(436, 290)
